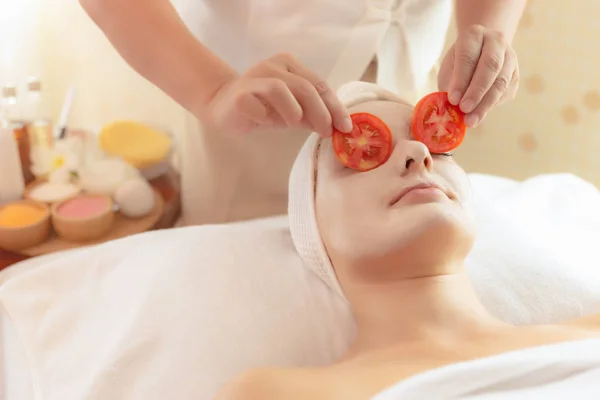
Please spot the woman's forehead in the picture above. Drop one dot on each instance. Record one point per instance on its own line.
(397, 116)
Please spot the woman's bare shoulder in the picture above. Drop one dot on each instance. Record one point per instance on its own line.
(267, 384)
(589, 323)
(253, 384)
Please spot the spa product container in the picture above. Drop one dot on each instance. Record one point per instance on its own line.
(19, 237)
(12, 183)
(86, 227)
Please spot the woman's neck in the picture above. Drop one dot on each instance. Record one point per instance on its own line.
(440, 308)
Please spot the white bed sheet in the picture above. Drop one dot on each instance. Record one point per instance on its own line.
(15, 376)
(550, 372)
(16, 380)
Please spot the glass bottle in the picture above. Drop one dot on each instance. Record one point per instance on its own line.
(8, 104)
(39, 125)
(12, 183)
(13, 121)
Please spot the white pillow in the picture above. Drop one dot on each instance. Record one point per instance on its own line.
(535, 259)
(175, 314)
(172, 314)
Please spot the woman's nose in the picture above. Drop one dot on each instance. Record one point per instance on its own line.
(415, 158)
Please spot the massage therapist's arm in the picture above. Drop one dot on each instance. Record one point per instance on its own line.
(155, 42)
(498, 15)
(279, 91)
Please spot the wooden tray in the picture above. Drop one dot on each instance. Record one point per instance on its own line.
(122, 227)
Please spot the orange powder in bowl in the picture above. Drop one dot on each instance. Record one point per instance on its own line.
(20, 214)
(83, 207)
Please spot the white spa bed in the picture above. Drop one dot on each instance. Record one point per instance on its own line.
(15, 377)
(541, 234)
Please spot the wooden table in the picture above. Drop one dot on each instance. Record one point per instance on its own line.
(167, 185)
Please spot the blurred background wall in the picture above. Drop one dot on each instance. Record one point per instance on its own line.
(553, 125)
(56, 41)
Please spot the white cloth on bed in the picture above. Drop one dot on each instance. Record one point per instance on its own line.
(536, 258)
(15, 379)
(171, 314)
(175, 314)
(569, 370)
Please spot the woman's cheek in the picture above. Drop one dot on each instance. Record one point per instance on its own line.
(458, 180)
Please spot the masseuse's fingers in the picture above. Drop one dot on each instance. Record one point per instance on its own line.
(466, 55)
(336, 114)
(500, 85)
(513, 88)
(278, 100)
(316, 114)
(253, 108)
(486, 75)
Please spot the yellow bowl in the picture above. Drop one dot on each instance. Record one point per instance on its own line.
(139, 144)
(25, 236)
(86, 228)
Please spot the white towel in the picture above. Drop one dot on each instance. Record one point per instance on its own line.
(171, 314)
(569, 370)
(535, 259)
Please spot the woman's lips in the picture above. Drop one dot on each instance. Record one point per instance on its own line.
(423, 188)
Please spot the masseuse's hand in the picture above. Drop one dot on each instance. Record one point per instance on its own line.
(278, 92)
(479, 71)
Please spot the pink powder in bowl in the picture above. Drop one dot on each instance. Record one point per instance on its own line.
(83, 207)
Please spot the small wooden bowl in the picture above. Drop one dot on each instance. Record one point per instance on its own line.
(22, 237)
(86, 228)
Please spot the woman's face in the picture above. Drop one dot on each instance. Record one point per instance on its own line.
(404, 219)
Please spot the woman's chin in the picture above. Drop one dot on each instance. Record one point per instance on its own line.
(436, 232)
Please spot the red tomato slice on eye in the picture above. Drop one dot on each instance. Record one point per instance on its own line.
(438, 124)
(368, 145)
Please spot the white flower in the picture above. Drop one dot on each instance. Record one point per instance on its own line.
(59, 162)
(106, 175)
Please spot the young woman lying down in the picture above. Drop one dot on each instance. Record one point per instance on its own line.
(394, 242)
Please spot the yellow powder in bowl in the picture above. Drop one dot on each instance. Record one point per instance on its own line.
(20, 214)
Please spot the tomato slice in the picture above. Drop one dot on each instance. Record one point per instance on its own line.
(367, 146)
(438, 124)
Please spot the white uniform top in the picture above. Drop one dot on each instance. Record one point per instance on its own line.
(231, 178)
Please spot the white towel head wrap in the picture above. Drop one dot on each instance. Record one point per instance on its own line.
(302, 214)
